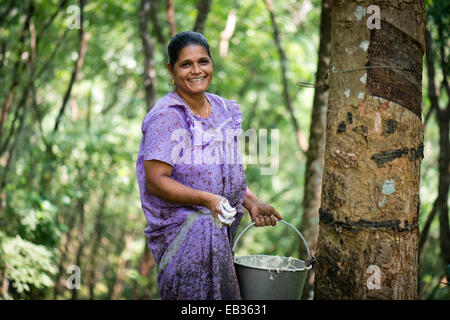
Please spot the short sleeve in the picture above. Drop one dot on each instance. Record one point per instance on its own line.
(160, 135)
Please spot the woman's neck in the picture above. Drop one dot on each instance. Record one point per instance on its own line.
(197, 103)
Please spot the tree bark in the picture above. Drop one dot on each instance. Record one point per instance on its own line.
(444, 158)
(443, 117)
(227, 33)
(315, 154)
(368, 234)
(121, 272)
(98, 233)
(81, 240)
(203, 7)
(149, 61)
(17, 69)
(146, 264)
(153, 14)
(170, 9)
(77, 67)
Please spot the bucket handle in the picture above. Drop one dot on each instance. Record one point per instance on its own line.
(309, 262)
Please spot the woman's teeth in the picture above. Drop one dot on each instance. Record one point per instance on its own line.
(196, 79)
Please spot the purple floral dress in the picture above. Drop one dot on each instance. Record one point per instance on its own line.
(193, 251)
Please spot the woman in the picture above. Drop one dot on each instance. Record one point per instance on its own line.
(183, 176)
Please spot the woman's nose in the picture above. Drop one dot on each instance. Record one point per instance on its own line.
(195, 68)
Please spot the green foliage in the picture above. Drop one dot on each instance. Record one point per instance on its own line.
(27, 264)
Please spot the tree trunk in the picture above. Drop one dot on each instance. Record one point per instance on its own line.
(77, 67)
(81, 241)
(227, 33)
(149, 60)
(283, 62)
(98, 233)
(203, 7)
(17, 69)
(122, 268)
(314, 163)
(170, 10)
(444, 157)
(443, 117)
(146, 264)
(369, 231)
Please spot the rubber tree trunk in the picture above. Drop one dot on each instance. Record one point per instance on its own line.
(368, 229)
(315, 154)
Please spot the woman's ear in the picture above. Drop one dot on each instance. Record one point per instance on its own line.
(169, 67)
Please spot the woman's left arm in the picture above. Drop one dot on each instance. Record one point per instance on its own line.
(262, 214)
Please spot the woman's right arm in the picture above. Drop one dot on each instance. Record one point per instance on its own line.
(159, 183)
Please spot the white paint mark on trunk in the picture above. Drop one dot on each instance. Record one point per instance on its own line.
(363, 79)
(388, 187)
(364, 45)
(361, 95)
(377, 122)
(359, 13)
(347, 93)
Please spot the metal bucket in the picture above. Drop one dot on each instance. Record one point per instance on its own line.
(260, 281)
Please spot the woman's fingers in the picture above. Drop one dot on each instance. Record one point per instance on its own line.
(264, 221)
(273, 221)
(259, 221)
(276, 214)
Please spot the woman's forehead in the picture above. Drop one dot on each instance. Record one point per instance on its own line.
(193, 52)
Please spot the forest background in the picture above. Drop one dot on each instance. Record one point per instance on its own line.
(78, 77)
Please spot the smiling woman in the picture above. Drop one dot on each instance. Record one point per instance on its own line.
(194, 208)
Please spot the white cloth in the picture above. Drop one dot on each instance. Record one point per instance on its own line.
(228, 212)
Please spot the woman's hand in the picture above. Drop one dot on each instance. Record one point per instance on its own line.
(213, 204)
(264, 214)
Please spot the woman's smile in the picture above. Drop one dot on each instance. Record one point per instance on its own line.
(198, 79)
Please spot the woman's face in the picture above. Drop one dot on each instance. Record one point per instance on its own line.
(193, 70)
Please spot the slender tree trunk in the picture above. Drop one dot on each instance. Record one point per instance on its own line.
(65, 242)
(146, 264)
(67, 238)
(443, 118)
(283, 61)
(422, 239)
(170, 9)
(122, 268)
(444, 157)
(369, 231)
(98, 233)
(4, 285)
(314, 156)
(17, 69)
(78, 65)
(153, 10)
(149, 61)
(81, 241)
(227, 33)
(203, 7)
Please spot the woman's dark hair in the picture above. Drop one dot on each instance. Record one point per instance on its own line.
(182, 40)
